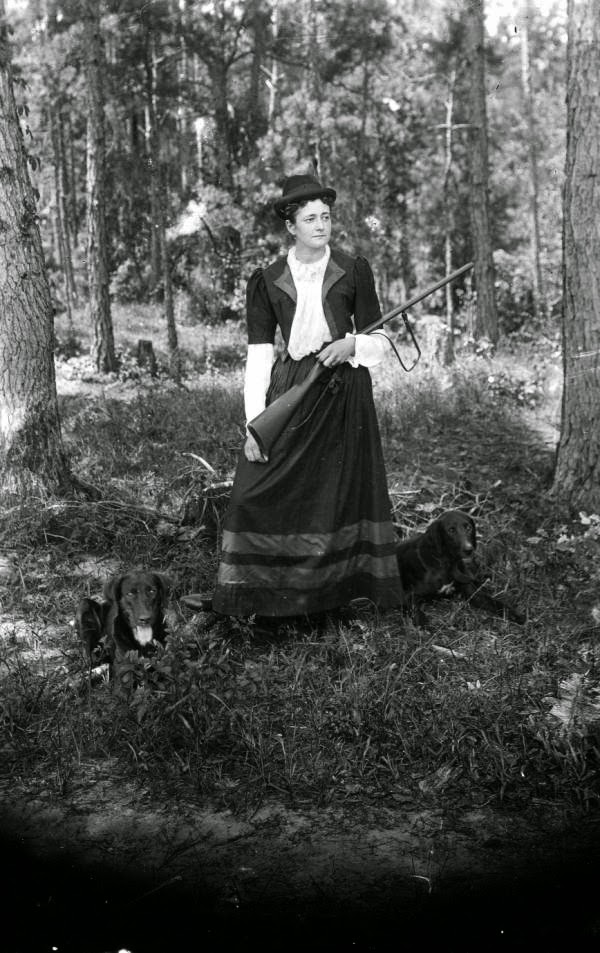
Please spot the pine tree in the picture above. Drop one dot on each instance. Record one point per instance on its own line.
(32, 458)
(577, 474)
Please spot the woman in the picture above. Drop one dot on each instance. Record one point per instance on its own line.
(309, 529)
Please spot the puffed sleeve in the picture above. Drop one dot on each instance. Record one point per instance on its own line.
(369, 349)
(261, 321)
(366, 305)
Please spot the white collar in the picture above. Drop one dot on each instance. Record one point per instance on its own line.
(307, 271)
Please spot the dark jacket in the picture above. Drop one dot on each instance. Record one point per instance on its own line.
(348, 293)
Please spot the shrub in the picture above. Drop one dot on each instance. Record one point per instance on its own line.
(514, 292)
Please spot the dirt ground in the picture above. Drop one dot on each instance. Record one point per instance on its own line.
(105, 869)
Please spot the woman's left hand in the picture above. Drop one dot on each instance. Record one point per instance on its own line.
(337, 352)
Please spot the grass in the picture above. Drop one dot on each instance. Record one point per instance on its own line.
(369, 711)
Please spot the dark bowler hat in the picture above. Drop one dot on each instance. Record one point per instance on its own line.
(301, 188)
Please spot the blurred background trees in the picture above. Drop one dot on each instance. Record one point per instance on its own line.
(208, 104)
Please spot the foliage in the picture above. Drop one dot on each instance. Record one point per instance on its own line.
(244, 95)
(525, 392)
(358, 710)
(514, 292)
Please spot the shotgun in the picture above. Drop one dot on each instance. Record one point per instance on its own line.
(268, 425)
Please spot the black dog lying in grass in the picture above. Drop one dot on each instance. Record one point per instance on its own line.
(130, 619)
(439, 561)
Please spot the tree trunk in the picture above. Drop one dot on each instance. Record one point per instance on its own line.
(219, 81)
(311, 87)
(103, 348)
(65, 187)
(407, 271)
(577, 473)
(169, 306)
(70, 138)
(62, 227)
(487, 320)
(448, 210)
(183, 113)
(200, 131)
(32, 459)
(259, 23)
(149, 139)
(61, 224)
(230, 252)
(273, 76)
(361, 191)
(536, 268)
(159, 189)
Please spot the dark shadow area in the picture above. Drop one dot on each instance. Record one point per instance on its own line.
(53, 904)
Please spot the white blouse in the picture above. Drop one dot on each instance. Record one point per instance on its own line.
(308, 334)
(309, 328)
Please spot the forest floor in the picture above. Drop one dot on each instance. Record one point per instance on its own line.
(465, 817)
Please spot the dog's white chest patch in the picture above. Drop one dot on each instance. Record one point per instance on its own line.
(143, 634)
(446, 590)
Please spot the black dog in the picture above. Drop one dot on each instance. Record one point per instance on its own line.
(130, 619)
(440, 561)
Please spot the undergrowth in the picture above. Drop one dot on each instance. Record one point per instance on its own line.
(364, 711)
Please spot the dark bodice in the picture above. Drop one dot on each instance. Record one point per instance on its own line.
(349, 298)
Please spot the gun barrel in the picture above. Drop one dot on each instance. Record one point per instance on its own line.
(418, 297)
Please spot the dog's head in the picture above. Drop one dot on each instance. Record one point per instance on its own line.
(140, 598)
(454, 533)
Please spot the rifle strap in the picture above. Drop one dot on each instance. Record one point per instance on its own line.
(414, 340)
(333, 385)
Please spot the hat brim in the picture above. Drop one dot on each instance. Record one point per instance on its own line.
(302, 194)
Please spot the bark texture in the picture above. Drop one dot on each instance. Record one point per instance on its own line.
(487, 319)
(31, 452)
(97, 239)
(60, 211)
(534, 187)
(160, 190)
(577, 473)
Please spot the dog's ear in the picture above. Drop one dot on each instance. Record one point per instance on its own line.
(112, 588)
(436, 534)
(473, 531)
(112, 594)
(164, 585)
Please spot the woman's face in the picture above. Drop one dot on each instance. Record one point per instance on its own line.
(312, 228)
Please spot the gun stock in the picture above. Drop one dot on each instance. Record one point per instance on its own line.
(270, 424)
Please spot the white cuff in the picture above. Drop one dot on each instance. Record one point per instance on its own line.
(369, 349)
(256, 381)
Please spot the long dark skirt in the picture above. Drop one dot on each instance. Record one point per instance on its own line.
(311, 530)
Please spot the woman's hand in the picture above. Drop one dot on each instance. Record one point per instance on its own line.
(252, 451)
(337, 352)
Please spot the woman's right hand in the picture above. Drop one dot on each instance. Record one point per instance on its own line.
(253, 452)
